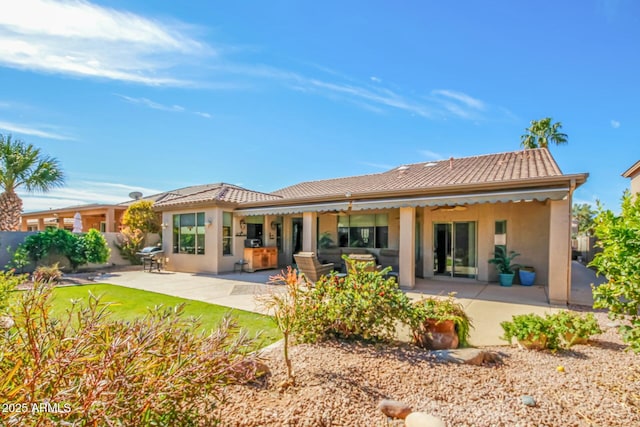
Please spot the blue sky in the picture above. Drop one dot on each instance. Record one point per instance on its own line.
(156, 95)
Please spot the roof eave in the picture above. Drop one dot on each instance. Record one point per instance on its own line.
(560, 180)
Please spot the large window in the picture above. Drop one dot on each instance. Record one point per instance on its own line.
(188, 233)
(227, 236)
(363, 231)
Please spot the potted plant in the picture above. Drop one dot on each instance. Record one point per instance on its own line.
(573, 328)
(527, 275)
(439, 323)
(503, 262)
(531, 331)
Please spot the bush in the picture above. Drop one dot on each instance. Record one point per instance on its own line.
(130, 242)
(152, 371)
(530, 329)
(78, 249)
(47, 274)
(619, 262)
(559, 330)
(8, 283)
(362, 305)
(573, 328)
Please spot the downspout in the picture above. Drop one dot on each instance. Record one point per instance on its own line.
(572, 187)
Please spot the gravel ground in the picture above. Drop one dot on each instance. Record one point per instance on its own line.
(341, 383)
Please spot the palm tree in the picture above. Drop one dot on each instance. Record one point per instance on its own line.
(541, 133)
(22, 165)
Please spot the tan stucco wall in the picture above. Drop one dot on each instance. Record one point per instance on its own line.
(635, 184)
(209, 262)
(527, 234)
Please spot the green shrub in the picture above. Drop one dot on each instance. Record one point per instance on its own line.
(78, 249)
(129, 243)
(529, 328)
(362, 305)
(619, 262)
(154, 371)
(47, 274)
(573, 328)
(96, 248)
(559, 330)
(439, 309)
(8, 283)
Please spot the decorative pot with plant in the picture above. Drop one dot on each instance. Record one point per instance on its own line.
(531, 331)
(527, 275)
(573, 328)
(503, 262)
(439, 323)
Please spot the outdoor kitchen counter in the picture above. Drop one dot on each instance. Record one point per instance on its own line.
(261, 258)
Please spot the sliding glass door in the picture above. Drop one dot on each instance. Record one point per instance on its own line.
(455, 249)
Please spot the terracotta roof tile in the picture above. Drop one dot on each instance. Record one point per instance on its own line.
(502, 167)
(212, 193)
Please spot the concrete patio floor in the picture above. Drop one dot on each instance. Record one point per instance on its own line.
(487, 304)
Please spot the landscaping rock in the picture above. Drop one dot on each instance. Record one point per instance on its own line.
(422, 419)
(6, 322)
(250, 369)
(394, 409)
(528, 400)
(468, 356)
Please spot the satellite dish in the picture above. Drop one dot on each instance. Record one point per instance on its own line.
(135, 195)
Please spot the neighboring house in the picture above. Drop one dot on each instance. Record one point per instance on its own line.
(634, 174)
(103, 217)
(444, 219)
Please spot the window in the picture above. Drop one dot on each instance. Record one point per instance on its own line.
(363, 231)
(227, 236)
(500, 236)
(188, 233)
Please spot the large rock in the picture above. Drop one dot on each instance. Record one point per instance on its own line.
(422, 419)
(394, 409)
(469, 356)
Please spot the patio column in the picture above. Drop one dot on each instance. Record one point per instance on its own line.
(23, 224)
(41, 224)
(109, 219)
(309, 231)
(406, 261)
(559, 251)
(427, 242)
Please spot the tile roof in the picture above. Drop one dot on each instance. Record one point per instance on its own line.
(210, 193)
(491, 168)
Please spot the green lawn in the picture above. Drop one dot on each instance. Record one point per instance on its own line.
(127, 304)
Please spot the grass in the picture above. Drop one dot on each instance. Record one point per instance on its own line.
(128, 304)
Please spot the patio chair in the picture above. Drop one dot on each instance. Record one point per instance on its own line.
(309, 265)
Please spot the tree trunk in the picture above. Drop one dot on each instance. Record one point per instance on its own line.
(10, 211)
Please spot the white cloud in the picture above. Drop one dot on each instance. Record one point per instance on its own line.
(615, 124)
(78, 38)
(162, 107)
(377, 165)
(81, 193)
(431, 155)
(376, 79)
(465, 99)
(30, 130)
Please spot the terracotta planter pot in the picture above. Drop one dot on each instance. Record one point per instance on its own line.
(534, 344)
(437, 335)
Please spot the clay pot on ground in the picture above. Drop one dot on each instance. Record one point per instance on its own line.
(437, 335)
